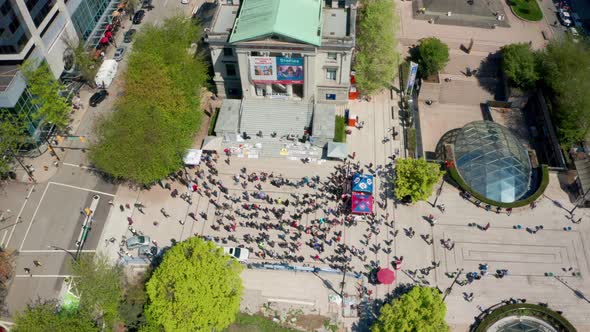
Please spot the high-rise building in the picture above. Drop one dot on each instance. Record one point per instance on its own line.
(39, 29)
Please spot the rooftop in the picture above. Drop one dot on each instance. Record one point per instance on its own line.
(225, 18)
(335, 23)
(299, 20)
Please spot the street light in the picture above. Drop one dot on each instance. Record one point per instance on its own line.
(64, 250)
(448, 290)
(576, 203)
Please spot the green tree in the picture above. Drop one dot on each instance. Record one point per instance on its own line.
(99, 285)
(566, 71)
(377, 58)
(519, 64)
(44, 316)
(432, 56)
(46, 90)
(157, 118)
(85, 66)
(131, 309)
(13, 137)
(421, 309)
(416, 178)
(196, 288)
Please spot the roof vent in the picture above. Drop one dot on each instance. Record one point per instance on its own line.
(234, 12)
(333, 14)
(331, 33)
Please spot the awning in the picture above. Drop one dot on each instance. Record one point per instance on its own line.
(337, 150)
(192, 157)
(362, 183)
(385, 276)
(362, 203)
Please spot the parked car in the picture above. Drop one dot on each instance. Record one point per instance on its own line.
(98, 97)
(147, 4)
(119, 52)
(128, 38)
(137, 241)
(147, 251)
(565, 17)
(241, 254)
(138, 17)
(184, 2)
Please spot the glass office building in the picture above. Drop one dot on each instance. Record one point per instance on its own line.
(492, 161)
(87, 15)
(14, 33)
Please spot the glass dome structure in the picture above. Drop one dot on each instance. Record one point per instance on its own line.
(492, 161)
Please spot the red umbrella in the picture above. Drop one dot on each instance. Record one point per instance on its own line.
(108, 34)
(104, 40)
(385, 276)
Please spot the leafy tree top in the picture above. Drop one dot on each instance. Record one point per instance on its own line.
(377, 58)
(13, 136)
(519, 64)
(421, 309)
(416, 178)
(195, 288)
(98, 283)
(433, 56)
(44, 316)
(46, 91)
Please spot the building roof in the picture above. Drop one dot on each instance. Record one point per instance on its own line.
(300, 20)
(225, 19)
(492, 161)
(335, 22)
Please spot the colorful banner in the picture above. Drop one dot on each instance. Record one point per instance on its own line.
(290, 70)
(269, 70)
(411, 78)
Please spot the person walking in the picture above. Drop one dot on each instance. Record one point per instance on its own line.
(37, 263)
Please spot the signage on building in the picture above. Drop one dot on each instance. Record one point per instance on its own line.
(412, 78)
(282, 70)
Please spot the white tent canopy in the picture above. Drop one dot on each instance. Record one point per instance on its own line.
(192, 157)
(106, 73)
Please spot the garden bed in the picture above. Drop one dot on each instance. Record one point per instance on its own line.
(527, 10)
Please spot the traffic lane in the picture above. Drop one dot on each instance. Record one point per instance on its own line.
(27, 290)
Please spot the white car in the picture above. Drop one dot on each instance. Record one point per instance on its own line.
(565, 17)
(184, 2)
(241, 254)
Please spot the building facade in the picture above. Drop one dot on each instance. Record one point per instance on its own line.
(40, 29)
(283, 49)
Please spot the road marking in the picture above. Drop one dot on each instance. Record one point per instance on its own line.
(291, 301)
(33, 218)
(18, 216)
(79, 166)
(4, 236)
(80, 188)
(52, 251)
(44, 276)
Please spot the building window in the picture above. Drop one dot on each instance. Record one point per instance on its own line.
(331, 74)
(228, 51)
(332, 56)
(254, 53)
(230, 69)
(330, 96)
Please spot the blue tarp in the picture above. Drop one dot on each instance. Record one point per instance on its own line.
(362, 183)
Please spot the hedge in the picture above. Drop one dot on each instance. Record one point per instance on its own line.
(454, 174)
(526, 309)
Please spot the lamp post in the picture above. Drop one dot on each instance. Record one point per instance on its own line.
(74, 257)
(576, 203)
(448, 290)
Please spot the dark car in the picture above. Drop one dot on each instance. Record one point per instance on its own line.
(98, 97)
(128, 38)
(147, 4)
(138, 17)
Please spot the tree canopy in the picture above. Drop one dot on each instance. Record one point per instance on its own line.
(432, 56)
(377, 58)
(99, 285)
(566, 71)
(44, 316)
(13, 137)
(416, 178)
(155, 121)
(421, 309)
(519, 64)
(46, 91)
(195, 288)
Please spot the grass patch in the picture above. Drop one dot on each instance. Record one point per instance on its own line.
(256, 323)
(211, 131)
(526, 9)
(412, 141)
(340, 129)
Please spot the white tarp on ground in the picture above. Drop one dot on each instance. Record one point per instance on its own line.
(106, 73)
(192, 157)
